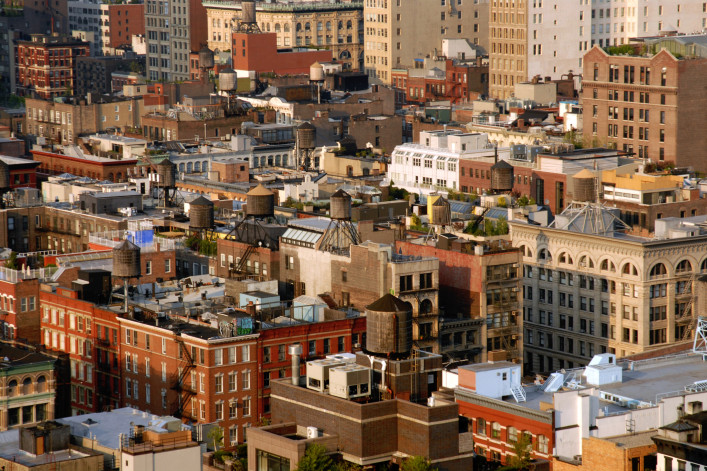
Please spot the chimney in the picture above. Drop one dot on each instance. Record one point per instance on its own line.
(250, 309)
(295, 351)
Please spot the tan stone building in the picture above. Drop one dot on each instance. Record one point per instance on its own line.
(61, 122)
(508, 54)
(28, 385)
(590, 291)
(336, 26)
(652, 105)
(397, 32)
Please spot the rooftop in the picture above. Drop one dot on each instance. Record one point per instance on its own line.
(11, 357)
(10, 450)
(106, 427)
(644, 383)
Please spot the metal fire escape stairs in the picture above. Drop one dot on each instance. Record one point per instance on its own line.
(185, 392)
(244, 259)
(518, 393)
(689, 316)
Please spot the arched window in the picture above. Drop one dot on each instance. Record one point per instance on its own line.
(512, 434)
(189, 167)
(586, 262)
(426, 306)
(181, 167)
(565, 258)
(495, 430)
(197, 166)
(658, 270)
(544, 254)
(328, 25)
(349, 25)
(205, 166)
(262, 161)
(41, 384)
(703, 267)
(298, 27)
(341, 25)
(26, 386)
(629, 269)
(607, 265)
(344, 55)
(307, 26)
(12, 388)
(287, 28)
(684, 267)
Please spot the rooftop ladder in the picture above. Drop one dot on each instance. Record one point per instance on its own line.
(518, 393)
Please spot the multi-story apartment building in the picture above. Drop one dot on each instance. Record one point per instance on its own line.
(651, 105)
(46, 65)
(433, 163)
(480, 286)
(446, 79)
(119, 23)
(173, 29)
(358, 275)
(337, 26)
(172, 367)
(540, 37)
(589, 288)
(63, 121)
(88, 334)
(396, 34)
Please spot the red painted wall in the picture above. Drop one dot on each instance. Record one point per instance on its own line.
(258, 52)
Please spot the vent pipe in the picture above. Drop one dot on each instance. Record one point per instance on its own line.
(295, 352)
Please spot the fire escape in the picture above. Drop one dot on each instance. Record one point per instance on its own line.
(186, 392)
(686, 320)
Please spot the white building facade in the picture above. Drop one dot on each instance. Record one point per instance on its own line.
(432, 165)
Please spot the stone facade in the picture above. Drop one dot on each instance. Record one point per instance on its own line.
(396, 35)
(586, 294)
(334, 25)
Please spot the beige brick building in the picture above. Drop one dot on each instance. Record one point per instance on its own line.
(336, 26)
(651, 105)
(61, 122)
(586, 293)
(508, 49)
(397, 31)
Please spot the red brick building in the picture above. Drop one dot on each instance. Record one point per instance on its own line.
(171, 367)
(100, 168)
(89, 334)
(652, 105)
(459, 82)
(258, 52)
(19, 306)
(46, 65)
(125, 20)
(498, 425)
(23, 172)
(317, 340)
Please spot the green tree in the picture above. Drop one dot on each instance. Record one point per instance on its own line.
(501, 226)
(216, 435)
(417, 463)
(12, 261)
(502, 202)
(315, 459)
(522, 449)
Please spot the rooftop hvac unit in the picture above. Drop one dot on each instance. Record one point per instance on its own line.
(350, 381)
(318, 374)
(312, 432)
